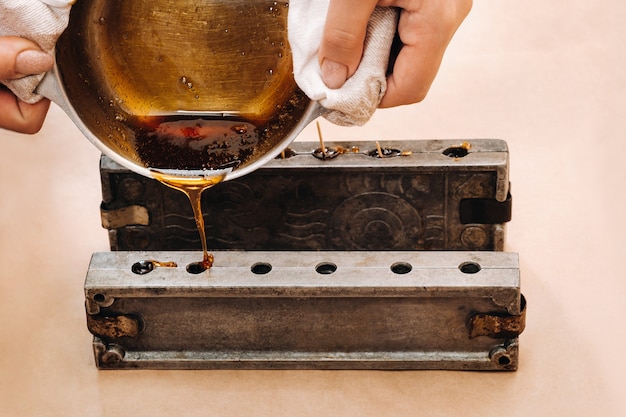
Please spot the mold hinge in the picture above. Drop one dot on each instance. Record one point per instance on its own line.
(498, 325)
(113, 327)
(485, 210)
(124, 216)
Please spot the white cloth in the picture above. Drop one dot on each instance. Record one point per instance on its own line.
(41, 21)
(356, 101)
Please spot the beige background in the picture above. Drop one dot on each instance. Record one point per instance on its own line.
(547, 76)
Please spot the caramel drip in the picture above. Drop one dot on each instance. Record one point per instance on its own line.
(192, 187)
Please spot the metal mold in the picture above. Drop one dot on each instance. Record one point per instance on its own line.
(420, 199)
(364, 315)
(359, 256)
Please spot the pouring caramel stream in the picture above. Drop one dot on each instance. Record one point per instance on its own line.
(193, 154)
(202, 87)
(193, 187)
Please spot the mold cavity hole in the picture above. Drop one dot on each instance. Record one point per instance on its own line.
(286, 153)
(401, 268)
(261, 268)
(142, 267)
(456, 151)
(325, 268)
(327, 153)
(386, 153)
(469, 267)
(196, 268)
(99, 298)
(504, 360)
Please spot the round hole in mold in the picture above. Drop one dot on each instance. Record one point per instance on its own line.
(196, 268)
(99, 298)
(401, 268)
(286, 154)
(261, 268)
(327, 153)
(504, 360)
(142, 267)
(386, 152)
(469, 267)
(457, 151)
(325, 268)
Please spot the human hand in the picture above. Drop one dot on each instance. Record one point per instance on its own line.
(20, 57)
(425, 29)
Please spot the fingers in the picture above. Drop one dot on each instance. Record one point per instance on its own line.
(417, 63)
(19, 116)
(342, 42)
(20, 57)
(425, 29)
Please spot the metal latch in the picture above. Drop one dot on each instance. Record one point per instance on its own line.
(485, 210)
(498, 325)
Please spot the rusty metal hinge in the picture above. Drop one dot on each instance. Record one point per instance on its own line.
(113, 327)
(498, 325)
(124, 216)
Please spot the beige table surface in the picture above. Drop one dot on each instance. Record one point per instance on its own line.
(547, 76)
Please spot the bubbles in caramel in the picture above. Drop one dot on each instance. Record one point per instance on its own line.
(132, 69)
(182, 88)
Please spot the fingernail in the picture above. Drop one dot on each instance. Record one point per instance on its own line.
(33, 62)
(59, 3)
(334, 74)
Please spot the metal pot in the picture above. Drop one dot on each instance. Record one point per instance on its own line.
(189, 86)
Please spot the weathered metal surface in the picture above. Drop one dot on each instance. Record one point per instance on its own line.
(113, 327)
(326, 259)
(113, 219)
(423, 195)
(498, 324)
(305, 310)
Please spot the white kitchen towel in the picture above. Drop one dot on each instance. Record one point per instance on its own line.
(41, 21)
(357, 100)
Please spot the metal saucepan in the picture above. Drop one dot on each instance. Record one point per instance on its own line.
(184, 85)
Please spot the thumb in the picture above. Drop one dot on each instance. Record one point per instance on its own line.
(20, 57)
(341, 47)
